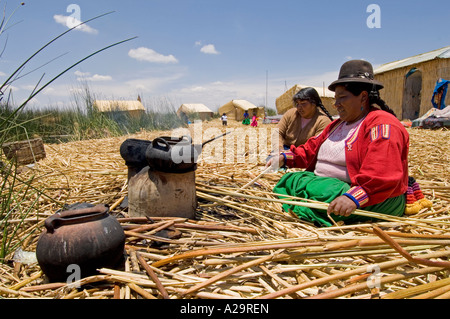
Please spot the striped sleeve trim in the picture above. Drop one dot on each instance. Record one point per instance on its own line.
(288, 159)
(382, 130)
(358, 195)
(288, 155)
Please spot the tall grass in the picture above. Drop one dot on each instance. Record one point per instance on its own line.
(81, 120)
(18, 196)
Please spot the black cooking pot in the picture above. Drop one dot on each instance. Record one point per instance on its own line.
(173, 155)
(133, 150)
(87, 238)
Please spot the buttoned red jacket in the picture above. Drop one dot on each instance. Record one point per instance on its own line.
(376, 155)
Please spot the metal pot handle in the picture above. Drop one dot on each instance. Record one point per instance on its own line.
(189, 139)
(74, 216)
(162, 141)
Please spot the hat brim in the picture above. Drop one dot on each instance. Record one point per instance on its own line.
(333, 85)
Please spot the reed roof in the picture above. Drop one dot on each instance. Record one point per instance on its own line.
(242, 104)
(118, 105)
(194, 108)
(442, 53)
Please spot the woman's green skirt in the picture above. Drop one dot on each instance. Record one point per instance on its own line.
(246, 121)
(325, 189)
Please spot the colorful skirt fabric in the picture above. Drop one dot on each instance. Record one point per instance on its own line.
(325, 189)
(246, 121)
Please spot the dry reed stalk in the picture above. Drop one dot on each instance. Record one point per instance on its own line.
(324, 206)
(161, 227)
(277, 278)
(133, 236)
(347, 274)
(404, 253)
(360, 252)
(227, 273)
(285, 244)
(363, 286)
(433, 293)
(153, 276)
(445, 295)
(144, 293)
(26, 281)
(217, 227)
(93, 171)
(408, 292)
(205, 252)
(7, 291)
(116, 292)
(50, 286)
(408, 235)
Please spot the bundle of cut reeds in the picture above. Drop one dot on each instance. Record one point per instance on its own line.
(241, 243)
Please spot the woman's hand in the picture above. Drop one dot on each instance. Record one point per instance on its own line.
(275, 162)
(342, 206)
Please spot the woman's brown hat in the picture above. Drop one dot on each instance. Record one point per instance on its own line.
(356, 71)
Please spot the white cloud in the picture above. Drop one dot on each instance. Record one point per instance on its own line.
(86, 76)
(149, 55)
(79, 73)
(70, 22)
(209, 49)
(98, 77)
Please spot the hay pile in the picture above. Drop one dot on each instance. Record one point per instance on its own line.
(241, 244)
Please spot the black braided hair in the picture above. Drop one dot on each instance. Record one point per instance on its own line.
(326, 111)
(374, 98)
(374, 94)
(310, 94)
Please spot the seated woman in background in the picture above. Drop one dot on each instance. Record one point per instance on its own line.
(360, 161)
(308, 118)
(246, 120)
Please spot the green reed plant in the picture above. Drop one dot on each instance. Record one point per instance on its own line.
(18, 196)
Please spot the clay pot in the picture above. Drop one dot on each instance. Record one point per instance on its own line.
(88, 238)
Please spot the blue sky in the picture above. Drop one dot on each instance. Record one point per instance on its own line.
(208, 51)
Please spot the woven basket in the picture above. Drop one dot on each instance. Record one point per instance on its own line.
(25, 152)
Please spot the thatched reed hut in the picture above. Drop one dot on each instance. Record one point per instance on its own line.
(133, 108)
(409, 83)
(235, 109)
(284, 102)
(186, 111)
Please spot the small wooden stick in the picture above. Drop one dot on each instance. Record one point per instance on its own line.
(405, 254)
(153, 276)
(26, 281)
(334, 223)
(117, 203)
(51, 286)
(144, 293)
(116, 291)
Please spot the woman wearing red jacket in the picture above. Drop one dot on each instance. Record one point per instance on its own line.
(360, 161)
